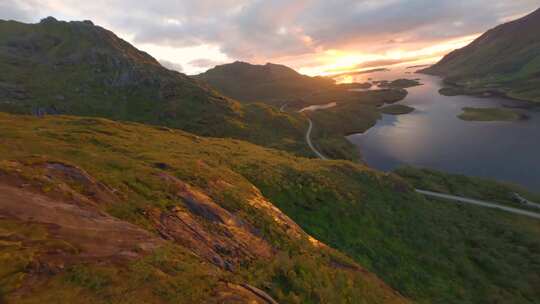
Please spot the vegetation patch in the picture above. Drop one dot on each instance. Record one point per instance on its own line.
(426, 249)
(399, 83)
(224, 170)
(490, 114)
(452, 91)
(397, 109)
(466, 186)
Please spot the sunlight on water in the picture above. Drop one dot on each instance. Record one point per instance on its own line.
(432, 136)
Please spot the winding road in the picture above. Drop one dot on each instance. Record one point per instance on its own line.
(310, 144)
(436, 194)
(479, 203)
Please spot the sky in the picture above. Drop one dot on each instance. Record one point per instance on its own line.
(316, 37)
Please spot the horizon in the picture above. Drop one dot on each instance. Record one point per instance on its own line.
(194, 37)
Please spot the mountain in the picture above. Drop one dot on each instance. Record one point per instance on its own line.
(504, 60)
(77, 68)
(94, 210)
(271, 83)
(91, 211)
(283, 87)
(175, 219)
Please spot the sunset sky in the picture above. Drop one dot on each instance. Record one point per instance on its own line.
(312, 36)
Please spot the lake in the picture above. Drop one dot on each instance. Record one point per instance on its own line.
(433, 137)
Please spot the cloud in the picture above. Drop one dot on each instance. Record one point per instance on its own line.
(171, 65)
(205, 63)
(370, 64)
(262, 30)
(13, 10)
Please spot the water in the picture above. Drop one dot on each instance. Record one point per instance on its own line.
(319, 107)
(433, 137)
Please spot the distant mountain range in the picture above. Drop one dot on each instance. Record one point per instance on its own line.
(504, 60)
(77, 68)
(271, 83)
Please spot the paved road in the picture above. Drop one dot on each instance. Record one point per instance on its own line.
(526, 201)
(310, 144)
(480, 203)
(308, 136)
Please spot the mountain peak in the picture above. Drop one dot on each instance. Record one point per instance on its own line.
(47, 20)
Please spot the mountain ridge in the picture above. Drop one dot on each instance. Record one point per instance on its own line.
(271, 83)
(78, 68)
(504, 60)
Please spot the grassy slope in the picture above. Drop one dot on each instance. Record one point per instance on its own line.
(77, 68)
(123, 156)
(466, 186)
(430, 251)
(505, 59)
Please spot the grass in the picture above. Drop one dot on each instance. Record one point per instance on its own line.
(122, 156)
(430, 251)
(489, 114)
(461, 185)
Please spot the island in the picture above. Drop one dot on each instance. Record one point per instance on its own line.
(490, 114)
(398, 83)
(397, 109)
(452, 91)
(355, 86)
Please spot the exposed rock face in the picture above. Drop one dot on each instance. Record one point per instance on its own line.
(92, 234)
(225, 242)
(69, 213)
(96, 191)
(63, 181)
(244, 293)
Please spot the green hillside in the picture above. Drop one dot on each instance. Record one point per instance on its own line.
(271, 83)
(163, 216)
(96, 211)
(78, 68)
(504, 60)
(281, 86)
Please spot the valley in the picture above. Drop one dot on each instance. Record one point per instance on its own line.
(371, 175)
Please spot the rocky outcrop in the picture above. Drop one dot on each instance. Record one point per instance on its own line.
(61, 180)
(87, 185)
(243, 293)
(207, 229)
(91, 234)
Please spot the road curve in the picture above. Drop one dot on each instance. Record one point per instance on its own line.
(435, 194)
(310, 144)
(479, 203)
